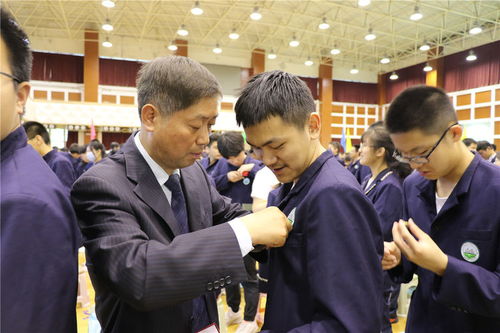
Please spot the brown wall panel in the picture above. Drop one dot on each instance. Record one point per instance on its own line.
(370, 121)
(497, 95)
(497, 142)
(337, 108)
(360, 121)
(483, 97)
(483, 112)
(497, 111)
(360, 131)
(109, 99)
(40, 94)
(126, 99)
(463, 100)
(226, 106)
(463, 114)
(349, 109)
(337, 120)
(361, 110)
(57, 95)
(349, 120)
(337, 130)
(74, 97)
(371, 111)
(497, 128)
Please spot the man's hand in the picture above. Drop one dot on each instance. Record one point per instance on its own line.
(419, 247)
(392, 256)
(269, 227)
(234, 176)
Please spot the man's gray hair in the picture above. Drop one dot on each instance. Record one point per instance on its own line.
(174, 83)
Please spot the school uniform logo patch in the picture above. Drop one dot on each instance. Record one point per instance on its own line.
(470, 252)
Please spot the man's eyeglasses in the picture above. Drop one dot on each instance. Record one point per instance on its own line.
(422, 159)
(10, 76)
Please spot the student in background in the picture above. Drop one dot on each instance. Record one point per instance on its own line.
(39, 139)
(485, 149)
(358, 170)
(39, 236)
(96, 151)
(334, 147)
(210, 161)
(85, 162)
(471, 144)
(115, 146)
(452, 237)
(327, 277)
(384, 188)
(234, 176)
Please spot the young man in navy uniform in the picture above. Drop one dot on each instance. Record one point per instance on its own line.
(327, 277)
(452, 237)
(39, 139)
(39, 235)
(209, 162)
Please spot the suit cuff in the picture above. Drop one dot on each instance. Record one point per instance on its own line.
(242, 235)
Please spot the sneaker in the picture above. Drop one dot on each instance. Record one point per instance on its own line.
(248, 327)
(233, 317)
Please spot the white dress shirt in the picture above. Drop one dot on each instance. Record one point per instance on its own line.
(239, 229)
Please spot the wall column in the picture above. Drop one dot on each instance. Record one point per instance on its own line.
(182, 47)
(91, 66)
(381, 95)
(258, 61)
(435, 78)
(325, 83)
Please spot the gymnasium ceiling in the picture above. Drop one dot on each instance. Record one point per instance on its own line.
(153, 24)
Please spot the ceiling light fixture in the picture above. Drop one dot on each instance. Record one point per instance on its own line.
(294, 42)
(425, 46)
(475, 29)
(183, 31)
(335, 51)
(427, 67)
(256, 15)
(107, 26)
(272, 55)
(385, 60)
(417, 15)
(370, 35)
(324, 25)
(308, 62)
(172, 46)
(394, 76)
(217, 49)
(108, 3)
(234, 35)
(364, 3)
(354, 70)
(472, 56)
(107, 43)
(196, 10)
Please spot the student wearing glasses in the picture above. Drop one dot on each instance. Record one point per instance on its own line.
(451, 245)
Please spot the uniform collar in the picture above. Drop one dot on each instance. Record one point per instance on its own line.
(17, 139)
(50, 155)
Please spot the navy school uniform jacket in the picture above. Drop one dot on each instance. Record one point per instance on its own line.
(327, 277)
(467, 297)
(386, 194)
(241, 190)
(359, 171)
(62, 167)
(205, 163)
(39, 243)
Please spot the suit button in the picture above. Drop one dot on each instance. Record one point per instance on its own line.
(222, 282)
(228, 280)
(216, 284)
(210, 287)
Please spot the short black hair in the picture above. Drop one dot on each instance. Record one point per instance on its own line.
(97, 145)
(18, 45)
(380, 138)
(74, 148)
(214, 137)
(34, 128)
(114, 144)
(469, 141)
(483, 145)
(174, 83)
(420, 107)
(274, 93)
(336, 144)
(230, 144)
(356, 147)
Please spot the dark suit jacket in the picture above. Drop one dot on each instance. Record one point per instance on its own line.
(144, 272)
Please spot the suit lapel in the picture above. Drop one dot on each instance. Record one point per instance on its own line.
(147, 188)
(191, 187)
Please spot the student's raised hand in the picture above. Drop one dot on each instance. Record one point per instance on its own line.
(419, 247)
(269, 227)
(246, 167)
(392, 256)
(234, 176)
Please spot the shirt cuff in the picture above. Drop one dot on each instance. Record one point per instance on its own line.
(242, 235)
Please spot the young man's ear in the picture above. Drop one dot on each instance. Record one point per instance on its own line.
(314, 125)
(22, 94)
(457, 132)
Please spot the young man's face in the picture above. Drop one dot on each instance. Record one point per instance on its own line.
(416, 143)
(285, 149)
(213, 151)
(485, 153)
(178, 139)
(237, 160)
(472, 147)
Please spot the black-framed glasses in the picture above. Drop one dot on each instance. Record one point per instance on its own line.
(422, 159)
(10, 76)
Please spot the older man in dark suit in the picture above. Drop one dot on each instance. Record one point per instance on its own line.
(153, 225)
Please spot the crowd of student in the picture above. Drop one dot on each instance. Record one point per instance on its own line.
(164, 233)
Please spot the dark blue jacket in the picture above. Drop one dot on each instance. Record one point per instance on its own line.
(241, 190)
(205, 163)
(467, 297)
(386, 194)
(327, 277)
(359, 171)
(62, 167)
(39, 243)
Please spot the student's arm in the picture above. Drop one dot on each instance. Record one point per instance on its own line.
(65, 171)
(343, 251)
(389, 206)
(220, 175)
